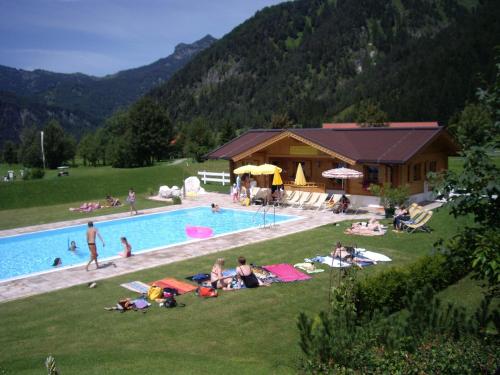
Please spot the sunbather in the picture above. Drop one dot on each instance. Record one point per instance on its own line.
(217, 280)
(343, 254)
(372, 227)
(113, 202)
(401, 215)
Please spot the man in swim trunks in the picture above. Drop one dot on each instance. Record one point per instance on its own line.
(91, 235)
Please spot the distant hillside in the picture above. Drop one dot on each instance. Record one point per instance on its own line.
(80, 96)
(314, 59)
(17, 113)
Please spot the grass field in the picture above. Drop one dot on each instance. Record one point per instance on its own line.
(47, 200)
(245, 332)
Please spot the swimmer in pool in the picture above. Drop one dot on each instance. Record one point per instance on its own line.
(215, 207)
(72, 246)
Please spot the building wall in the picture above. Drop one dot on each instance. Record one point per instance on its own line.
(288, 152)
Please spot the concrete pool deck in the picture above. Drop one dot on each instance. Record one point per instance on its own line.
(66, 277)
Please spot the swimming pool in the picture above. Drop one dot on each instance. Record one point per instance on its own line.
(35, 252)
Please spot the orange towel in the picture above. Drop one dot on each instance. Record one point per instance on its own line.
(168, 282)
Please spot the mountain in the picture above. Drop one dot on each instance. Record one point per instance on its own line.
(35, 96)
(313, 60)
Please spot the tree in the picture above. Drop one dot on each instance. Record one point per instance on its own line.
(151, 131)
(197, 139)
(30, 151)
(87, 149)
(227, 133)
(281, 121)
(369, 114)
(9, 152)
(59, 147)
(474, 126)
(478, 245)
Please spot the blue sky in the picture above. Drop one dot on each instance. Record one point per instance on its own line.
(101, 37)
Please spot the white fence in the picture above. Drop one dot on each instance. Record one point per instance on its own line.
(214, 177)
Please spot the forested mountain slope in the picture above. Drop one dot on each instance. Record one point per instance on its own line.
(312, 60)
(32, 97)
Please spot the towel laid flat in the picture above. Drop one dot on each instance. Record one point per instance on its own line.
(169, 282)
(377, 257)
(136, 286)
(308, 267)
(286, 273)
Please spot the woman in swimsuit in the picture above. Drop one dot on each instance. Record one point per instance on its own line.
(217, 280)
(131, 200)
(127, 248)
(246, 275)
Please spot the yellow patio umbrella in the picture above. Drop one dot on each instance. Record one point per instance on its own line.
(300, 179)
(266, 169)
(277, 178)
(249, 168)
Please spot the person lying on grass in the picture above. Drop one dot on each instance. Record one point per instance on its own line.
(366, 228)
(343, 254)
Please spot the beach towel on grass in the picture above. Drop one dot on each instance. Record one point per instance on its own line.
(264, 275)
(169, 282)
(136, 286)
(286, 273)
(377, 257)
(199, 277)
(337, 263)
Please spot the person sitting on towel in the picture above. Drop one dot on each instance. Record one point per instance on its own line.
(217, 280)
(343, 254)
(245, 274)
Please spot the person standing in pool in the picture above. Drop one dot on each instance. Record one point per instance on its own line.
(131, 200)
(91, 235)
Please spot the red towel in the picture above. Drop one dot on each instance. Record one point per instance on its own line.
(168, 282)
(286, 272)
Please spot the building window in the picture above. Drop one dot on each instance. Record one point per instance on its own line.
(433, 166)
(371, 175)
(417, 172)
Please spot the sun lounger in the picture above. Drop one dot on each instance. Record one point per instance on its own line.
(320, 202)
(419, 225)
(311, 201)
(304, 197)
(296, 197)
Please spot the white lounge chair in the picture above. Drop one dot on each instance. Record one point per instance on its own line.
(311, 201)
(304, 197)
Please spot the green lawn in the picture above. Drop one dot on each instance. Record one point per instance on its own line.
(244, 332)
(47, 200)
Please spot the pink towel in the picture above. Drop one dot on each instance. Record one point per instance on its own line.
(286, 272)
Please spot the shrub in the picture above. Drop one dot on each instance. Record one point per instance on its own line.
(388, 290)
(176, 200)
(33, 174)
(37, 173)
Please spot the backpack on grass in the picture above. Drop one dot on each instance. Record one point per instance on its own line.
(206, 291)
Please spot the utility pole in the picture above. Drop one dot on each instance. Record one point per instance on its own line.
(43, 153)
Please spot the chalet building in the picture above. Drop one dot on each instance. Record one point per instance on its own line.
(400, 153)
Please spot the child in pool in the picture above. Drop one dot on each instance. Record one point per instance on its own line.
(127, 248)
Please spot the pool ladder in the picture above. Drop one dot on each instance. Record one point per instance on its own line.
(265, 210)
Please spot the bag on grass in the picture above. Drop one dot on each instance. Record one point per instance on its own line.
(170, 292)
(205, 291)
(155, 292)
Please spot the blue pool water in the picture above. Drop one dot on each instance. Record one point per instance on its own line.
(35, 252)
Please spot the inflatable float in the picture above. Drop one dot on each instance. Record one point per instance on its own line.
(199, 232)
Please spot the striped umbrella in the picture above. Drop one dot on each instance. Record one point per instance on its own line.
(342, 173)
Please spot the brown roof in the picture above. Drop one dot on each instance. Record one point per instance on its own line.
(364, 145)
(354, 125)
